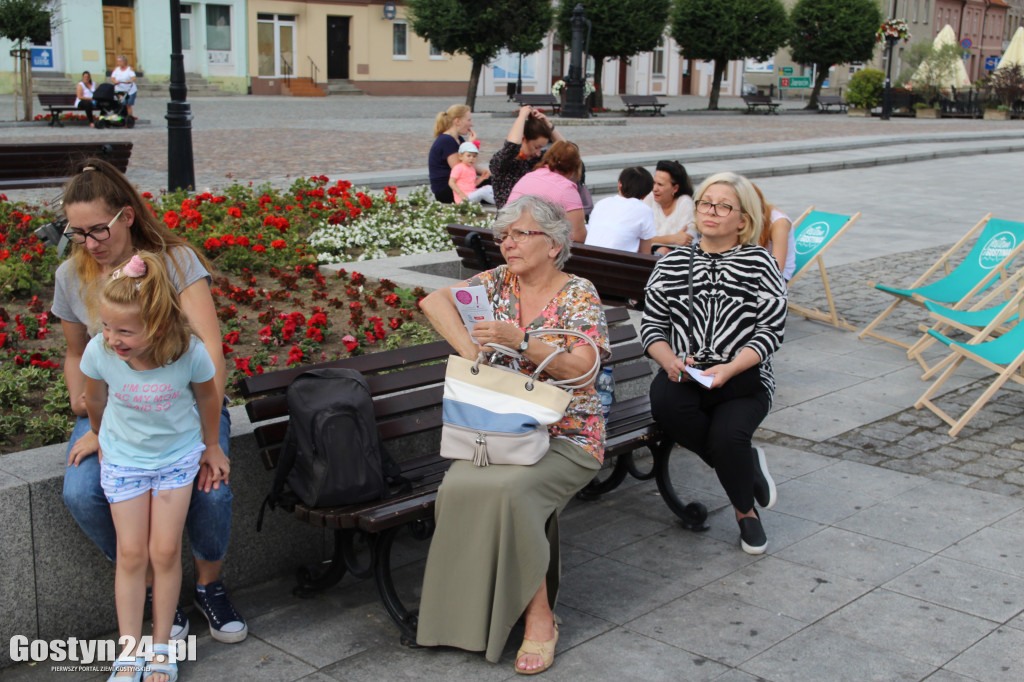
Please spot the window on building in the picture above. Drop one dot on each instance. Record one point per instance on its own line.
(218, 27)
(400, 39)
(658, 59)
(275, 44)
(435, 51)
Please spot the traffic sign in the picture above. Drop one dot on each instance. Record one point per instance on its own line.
(795, 82)
(966, 43)
(991, 63)
(787, 70)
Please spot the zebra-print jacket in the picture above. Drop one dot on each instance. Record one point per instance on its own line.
(739, 301)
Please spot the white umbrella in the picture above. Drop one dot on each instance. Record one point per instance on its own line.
(927, 73)
(1014, 51)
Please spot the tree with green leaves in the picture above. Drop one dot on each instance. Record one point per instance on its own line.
(619, 30)
(827, 32)
(24, 21)
(724, 30)
(480, 30)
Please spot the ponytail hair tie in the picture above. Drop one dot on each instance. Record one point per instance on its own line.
(136, 267)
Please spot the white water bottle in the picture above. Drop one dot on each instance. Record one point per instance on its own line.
(605, 386)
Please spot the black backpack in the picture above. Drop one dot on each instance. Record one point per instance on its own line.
(331, 454)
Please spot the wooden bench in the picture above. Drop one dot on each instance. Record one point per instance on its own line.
(56, 104)
(826, 102)
(620, 276)
(407, 387)
(636, 102)
(539, 101)
(51, 164)
(755, 102)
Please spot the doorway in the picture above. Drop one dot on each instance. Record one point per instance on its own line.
(337, 47)
(186, 39)
(119, 35)
(275, 44)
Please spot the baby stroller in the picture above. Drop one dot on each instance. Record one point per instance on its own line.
(113, 113)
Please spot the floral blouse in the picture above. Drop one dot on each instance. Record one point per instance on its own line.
(578, 307)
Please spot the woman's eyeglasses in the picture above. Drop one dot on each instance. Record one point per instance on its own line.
(720, 210)
(100, 234)
(515, 235)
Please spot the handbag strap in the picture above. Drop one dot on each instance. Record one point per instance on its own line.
(689, 300)
(575, 382)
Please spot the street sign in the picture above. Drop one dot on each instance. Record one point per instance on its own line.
(966, 43)
(795, 82)
(991, 63)
(787, 70)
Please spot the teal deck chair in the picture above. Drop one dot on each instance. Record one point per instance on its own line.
(1004, 355)
(998, 243)
(970, 321)
(814, 233)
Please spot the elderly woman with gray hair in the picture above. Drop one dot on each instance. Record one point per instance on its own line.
(494, 555)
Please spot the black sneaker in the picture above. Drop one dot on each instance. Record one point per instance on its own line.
(765, 493)
(225, 623)
(179, 628)
(752, 537)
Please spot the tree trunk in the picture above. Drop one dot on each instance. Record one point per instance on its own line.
(598, 78)
(819, 81)
(716, 83)
(26, 83)
(474, 81)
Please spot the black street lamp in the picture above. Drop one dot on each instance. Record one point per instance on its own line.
(890, 43)
(181, 172)
(519, 76)
(574, 106)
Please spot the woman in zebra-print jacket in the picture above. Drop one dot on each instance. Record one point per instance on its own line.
(714, 315)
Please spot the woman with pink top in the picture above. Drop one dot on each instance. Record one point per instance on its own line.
(554, 178)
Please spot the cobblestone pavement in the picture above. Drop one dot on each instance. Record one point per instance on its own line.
(988, 454)
(264, 138)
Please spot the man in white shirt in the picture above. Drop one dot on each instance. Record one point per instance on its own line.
(625, 222)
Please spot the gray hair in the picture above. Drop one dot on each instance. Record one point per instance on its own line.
(549, 217)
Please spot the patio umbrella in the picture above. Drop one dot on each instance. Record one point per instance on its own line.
(1014, 51)
(928, 73)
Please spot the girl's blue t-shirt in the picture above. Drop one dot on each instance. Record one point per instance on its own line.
(151, 420)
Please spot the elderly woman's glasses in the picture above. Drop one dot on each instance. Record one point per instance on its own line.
(100, 234)
(720, 210)
(515, 235)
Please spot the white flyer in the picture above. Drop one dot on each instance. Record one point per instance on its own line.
(697, 376)
(472, 305)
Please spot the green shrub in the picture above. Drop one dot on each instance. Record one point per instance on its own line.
(865, 89)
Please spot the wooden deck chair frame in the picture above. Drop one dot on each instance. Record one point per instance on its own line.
(1004, 373)
(993, 301)
(813, 313)
(943, 262)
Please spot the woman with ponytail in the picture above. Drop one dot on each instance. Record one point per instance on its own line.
(452, 127)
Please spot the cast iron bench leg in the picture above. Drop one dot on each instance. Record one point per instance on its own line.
(313, 578)
(606, 480)
(405, 619)
(694, 515)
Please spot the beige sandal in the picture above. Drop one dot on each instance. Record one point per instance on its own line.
(546, 650)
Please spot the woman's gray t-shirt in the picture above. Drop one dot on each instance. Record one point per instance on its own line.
(69, 306)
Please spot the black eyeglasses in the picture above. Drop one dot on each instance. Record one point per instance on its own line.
(515, 235)
(720, 210)
(100, 234)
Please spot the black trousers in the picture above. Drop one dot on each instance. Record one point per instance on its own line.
(718, 430)
(87, 106)
(445, 196)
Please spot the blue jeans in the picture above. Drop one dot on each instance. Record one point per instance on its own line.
(209, 514)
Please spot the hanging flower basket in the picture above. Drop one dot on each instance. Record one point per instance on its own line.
(893, 29)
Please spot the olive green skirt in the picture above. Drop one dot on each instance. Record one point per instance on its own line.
(496, 539)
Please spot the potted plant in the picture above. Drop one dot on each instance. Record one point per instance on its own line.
(927, 110)
(1008, 85)
(864, 92)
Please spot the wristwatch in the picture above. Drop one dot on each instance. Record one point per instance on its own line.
(526, 342)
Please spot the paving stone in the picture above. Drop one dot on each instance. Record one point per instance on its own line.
(953, 477)
(997, 486)
(863, 457)
(992, 548)
(1000, 656)
(980, 470)
(911, 627)
(962, 453)
(853, 555)
(966, 587)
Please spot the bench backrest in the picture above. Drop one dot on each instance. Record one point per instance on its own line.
(618, 275)
(537, 99)
(407, 386)
(59, 99)
(640, 99)
(757, 99)
(53, 163)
